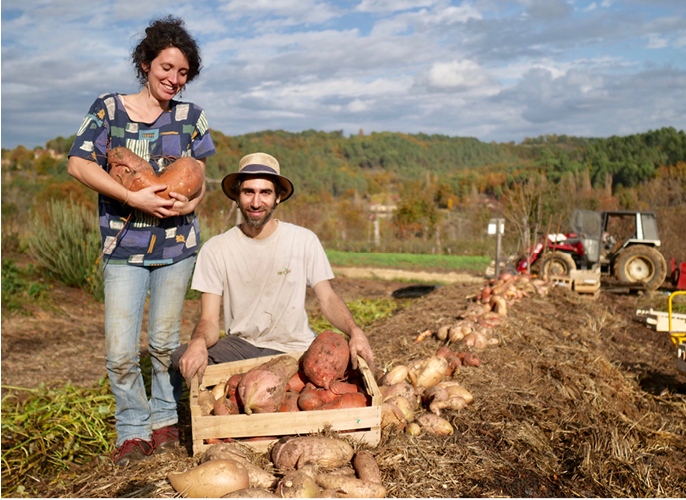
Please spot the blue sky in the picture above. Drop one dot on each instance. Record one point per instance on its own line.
(497, 70)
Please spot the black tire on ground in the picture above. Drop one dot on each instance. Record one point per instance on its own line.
(556, 265)
(641, 264)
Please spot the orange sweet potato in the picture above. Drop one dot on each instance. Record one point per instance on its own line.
(232, 384)
(338, 387)
(185, 176)
(349, 400)
(313, 398)
(326, 359)
(297, 382)
(290, 402)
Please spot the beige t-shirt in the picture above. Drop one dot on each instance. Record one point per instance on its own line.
(264, 283)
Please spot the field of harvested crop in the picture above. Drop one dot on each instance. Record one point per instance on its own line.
(577, 399)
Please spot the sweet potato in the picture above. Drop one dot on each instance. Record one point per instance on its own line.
(404, 406)
(444, 352)
(326, 359)
(349, 400)
(327, 453)
(185, 176)
(297, 484)
(232, 384)
(413, 429)
(206, 402)
(442, 332)
(400, 389)
(350, 487)
(366, 467)
(392, 416)
(457, 390)
(394, 376)
(210, 479)
(471, 359)
(313, 398)
(338, 387)
(428, 372)
(222, 451)
(263, 388)
(258, 477)
(290, 402)
(224, 406)
(435, 424)
(251, 493)
(297, 382)
(219, 390)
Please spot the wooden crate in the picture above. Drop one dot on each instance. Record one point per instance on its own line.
(363, 424)
(565, 282)
(586, 281)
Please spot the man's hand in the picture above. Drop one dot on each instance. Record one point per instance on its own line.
(359, 345)
(194, 361)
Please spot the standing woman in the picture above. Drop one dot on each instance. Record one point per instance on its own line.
(149, 243)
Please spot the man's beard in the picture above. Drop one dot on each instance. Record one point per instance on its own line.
(256, 222)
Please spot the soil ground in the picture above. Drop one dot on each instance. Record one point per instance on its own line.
(577, 399)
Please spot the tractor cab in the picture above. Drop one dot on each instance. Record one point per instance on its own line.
(623, 243)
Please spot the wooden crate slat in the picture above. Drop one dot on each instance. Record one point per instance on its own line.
(357, 423)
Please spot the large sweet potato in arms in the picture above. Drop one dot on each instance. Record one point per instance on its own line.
(185, 176)
(326, 359)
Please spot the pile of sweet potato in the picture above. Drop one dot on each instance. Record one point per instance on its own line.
(321, 380)
(425, 384)
(304, 467)
(475, 326)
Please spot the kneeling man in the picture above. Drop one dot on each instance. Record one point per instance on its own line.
(261, 269)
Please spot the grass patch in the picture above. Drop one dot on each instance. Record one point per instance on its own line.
(409, 260)
(364, 311)
(49, 430)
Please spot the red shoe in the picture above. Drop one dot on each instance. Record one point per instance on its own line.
(133, 450)
(165, 439)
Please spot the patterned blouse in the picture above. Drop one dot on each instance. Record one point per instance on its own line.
(144, 240)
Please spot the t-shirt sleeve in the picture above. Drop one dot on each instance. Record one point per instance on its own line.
(202, 145)
(209, 273)
(318, 267)
(91, 139)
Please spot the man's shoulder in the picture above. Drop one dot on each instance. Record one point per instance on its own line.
(220, 239)
(287, 227)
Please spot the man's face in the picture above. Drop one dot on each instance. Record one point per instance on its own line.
(257, 201)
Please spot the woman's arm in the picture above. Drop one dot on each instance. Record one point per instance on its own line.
(93, 176)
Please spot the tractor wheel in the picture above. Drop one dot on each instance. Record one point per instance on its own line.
(641, 264)
(556, 265)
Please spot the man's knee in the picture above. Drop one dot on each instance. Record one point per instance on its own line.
(176, 356)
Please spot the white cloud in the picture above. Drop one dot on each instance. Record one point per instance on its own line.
(656, 42)
(392, 5)
(456, 75)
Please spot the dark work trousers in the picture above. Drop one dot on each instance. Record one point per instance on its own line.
(229, 348)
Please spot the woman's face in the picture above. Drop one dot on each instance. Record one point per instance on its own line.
(167, 73)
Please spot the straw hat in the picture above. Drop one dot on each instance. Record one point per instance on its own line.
(258, 164)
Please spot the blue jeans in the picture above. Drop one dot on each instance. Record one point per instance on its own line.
(126, 290)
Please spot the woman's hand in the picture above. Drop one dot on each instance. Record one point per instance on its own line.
(182, 205)
(146, 200)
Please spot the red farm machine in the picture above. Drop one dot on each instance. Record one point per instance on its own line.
(622, 244)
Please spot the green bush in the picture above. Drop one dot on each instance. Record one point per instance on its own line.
(65, 242)
(17, 288)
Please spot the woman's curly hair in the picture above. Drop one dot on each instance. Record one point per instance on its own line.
(159, 35)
